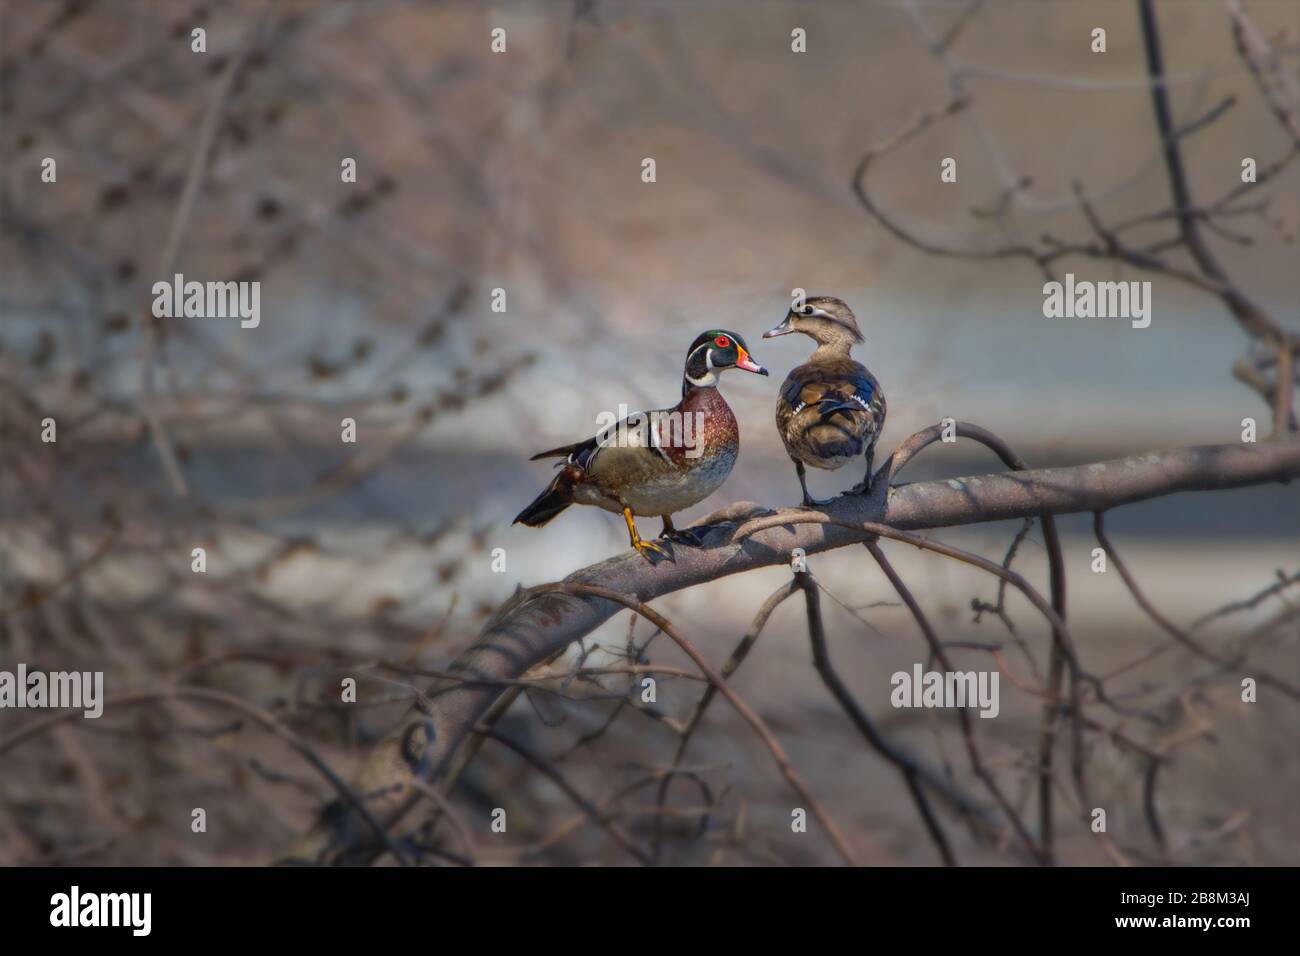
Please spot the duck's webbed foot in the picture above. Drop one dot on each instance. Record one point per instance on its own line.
(811, 502)
(649, 550)
(680, 535)
(652, 552)
(808, 500)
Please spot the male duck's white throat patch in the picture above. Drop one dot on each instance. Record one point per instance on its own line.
(710, 377)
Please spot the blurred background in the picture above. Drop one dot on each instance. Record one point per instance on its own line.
(521, 170)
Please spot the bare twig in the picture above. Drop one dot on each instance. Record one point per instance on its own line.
(1173, 630)
(733, 662)
(539, 623)
(905, 763)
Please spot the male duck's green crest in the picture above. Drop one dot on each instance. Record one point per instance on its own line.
(712, 352)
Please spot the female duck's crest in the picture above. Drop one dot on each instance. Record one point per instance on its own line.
(824, 318)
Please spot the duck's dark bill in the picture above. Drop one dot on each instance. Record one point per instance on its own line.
(785, 328)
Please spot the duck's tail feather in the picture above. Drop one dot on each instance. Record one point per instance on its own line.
(829, 407)
(564, 451)
(836, 437)
(557, 496)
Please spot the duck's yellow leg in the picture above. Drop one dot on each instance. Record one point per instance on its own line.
(646, 548)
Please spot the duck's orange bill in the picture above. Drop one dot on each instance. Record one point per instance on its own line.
(747, 363)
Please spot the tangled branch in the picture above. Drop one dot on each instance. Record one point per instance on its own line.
(540, 622)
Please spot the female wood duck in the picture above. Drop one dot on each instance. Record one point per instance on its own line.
(831, 409)
(655, 463)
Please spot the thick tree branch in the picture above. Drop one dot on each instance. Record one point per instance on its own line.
(540, 622)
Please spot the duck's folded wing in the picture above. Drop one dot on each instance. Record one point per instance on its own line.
(640, 432)
(830, 395)
(637, 442)
(566, 451)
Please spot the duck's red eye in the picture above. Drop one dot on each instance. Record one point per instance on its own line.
(722, 341)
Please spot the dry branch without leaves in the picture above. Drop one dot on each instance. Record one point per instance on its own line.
(539, 623)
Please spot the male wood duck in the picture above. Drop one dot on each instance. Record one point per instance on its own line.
(831, 409)
(655, 463)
